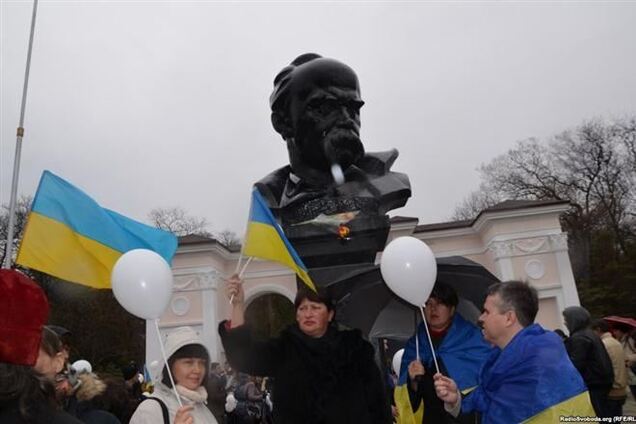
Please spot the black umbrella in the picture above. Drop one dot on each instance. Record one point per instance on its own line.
(368, 304)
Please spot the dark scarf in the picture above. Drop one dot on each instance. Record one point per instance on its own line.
(327, 359)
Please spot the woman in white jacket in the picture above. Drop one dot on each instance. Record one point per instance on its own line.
(188, 360)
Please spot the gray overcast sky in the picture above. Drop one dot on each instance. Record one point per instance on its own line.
(149, 104)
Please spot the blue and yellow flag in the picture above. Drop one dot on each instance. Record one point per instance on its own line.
(265, 239)
(68, 235)
(463, 351)
(531, 380)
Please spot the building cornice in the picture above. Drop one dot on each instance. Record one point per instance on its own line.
(489, 216)
(212, 247)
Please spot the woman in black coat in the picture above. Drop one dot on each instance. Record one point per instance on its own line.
(323, 374)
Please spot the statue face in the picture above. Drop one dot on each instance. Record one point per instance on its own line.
(324, 111)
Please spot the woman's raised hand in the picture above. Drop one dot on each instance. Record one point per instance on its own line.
(234, 289)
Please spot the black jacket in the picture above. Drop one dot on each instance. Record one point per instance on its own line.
(333, 379)
(586, 350)
(42, 415)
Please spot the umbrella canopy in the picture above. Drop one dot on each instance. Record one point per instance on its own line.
(371, 306)
(613, 319)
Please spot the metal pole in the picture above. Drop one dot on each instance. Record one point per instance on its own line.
(8, 251)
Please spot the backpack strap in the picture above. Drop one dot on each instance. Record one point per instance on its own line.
(164, 409)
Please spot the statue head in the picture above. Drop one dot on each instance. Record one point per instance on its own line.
(316, 109)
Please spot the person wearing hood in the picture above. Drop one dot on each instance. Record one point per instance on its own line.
(589, 356)
(324, 374)
(84, 402)
(188, 360)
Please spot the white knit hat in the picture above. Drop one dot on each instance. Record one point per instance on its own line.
(180, 337)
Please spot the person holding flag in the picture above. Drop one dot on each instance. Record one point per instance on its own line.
(460, 351)
(323, 373)
(528, 377)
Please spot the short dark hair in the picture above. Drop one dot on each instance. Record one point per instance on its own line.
(519, 297)
(600, 325)
(187, 351)
(319, 296)
(445, 294)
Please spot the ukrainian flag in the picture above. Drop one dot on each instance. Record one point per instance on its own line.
(463, 351)
(68, 235)
(265, 239)
(531, 380)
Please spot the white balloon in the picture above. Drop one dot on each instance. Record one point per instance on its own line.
(397, 361)
(81, 366)
(142, 283)
(409, 269)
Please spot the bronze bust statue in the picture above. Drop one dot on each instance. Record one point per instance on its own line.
(330, 182)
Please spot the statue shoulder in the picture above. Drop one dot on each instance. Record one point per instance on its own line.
(272, 185)
(378, 163)
(391, 188)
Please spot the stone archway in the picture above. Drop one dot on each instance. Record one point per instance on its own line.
(268, 314)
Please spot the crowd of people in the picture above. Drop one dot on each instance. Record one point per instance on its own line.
(38, 383)
(504, 368)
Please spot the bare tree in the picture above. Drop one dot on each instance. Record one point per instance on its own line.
(475, 202)
(625, 131)
(593, 167)
(178, 222)
(228, 238)
(22, 209)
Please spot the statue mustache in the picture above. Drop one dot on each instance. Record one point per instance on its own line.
(343, 147)
(347, 128)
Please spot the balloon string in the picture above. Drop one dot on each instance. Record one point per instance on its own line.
(417, 343)
(165, 361)
(429, 338)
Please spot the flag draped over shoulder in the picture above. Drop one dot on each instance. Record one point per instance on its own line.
(68, 235)
(463, 352)
(265, 239)
(531, 380)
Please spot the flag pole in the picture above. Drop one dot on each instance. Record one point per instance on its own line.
(240, 274)
(8, 251)
(245, 266)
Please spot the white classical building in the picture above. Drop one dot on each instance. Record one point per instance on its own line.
(520, 240)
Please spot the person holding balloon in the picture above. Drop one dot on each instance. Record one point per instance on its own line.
(188, 361)
(324, 374)
(444, 343)
(460, 351)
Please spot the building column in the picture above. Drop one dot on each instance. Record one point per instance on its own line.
(502, 250)
(559, 244)
(209, 302)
